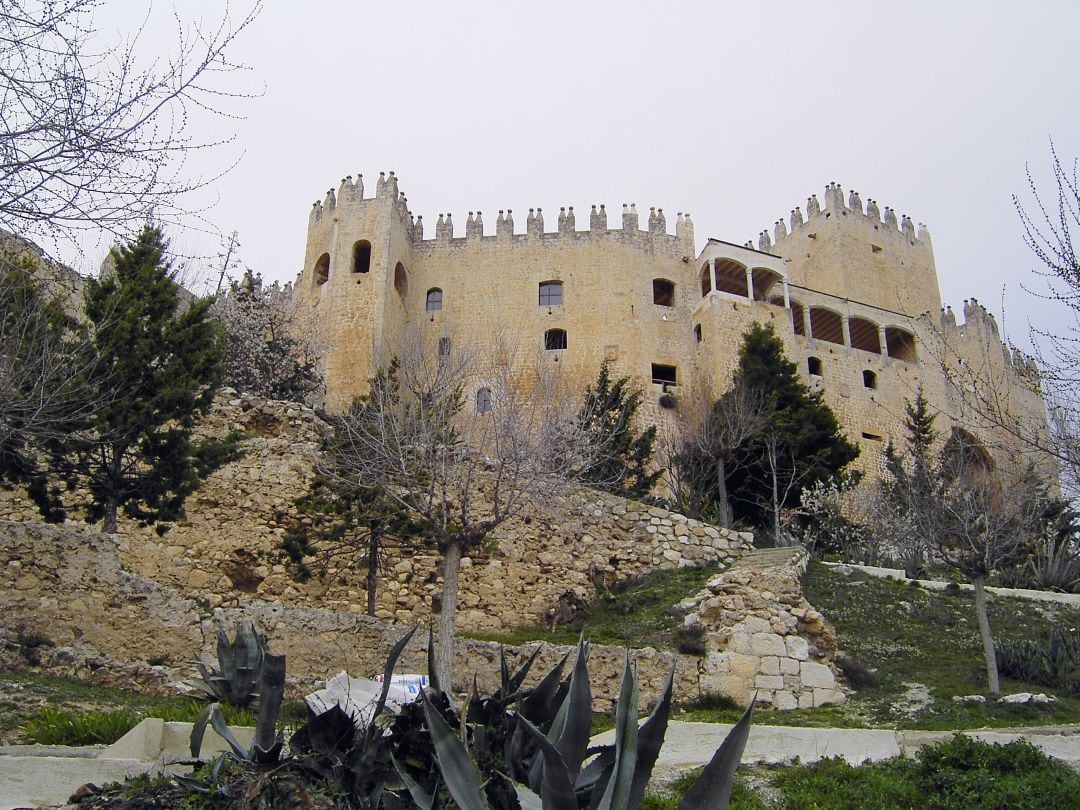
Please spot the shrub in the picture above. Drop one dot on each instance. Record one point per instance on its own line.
(31, 642)
(1052, 660)
(691, 640)
(858, 675)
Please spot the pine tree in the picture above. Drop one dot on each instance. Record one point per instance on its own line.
(801, 442)
(622, 462)
(155, 373)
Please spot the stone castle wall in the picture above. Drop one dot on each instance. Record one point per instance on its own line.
(850, 288)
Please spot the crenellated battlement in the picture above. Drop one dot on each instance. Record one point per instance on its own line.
(881, 219)
(350, 195)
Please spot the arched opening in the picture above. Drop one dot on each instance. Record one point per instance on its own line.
(826, 325)
(551, 294)
(900, 344)
(663, 292)
(483, 400)
(361, 256)
(798, 315)
(869, 379)
(434, 300)
(401, 280)
(966, 458)
(706, 279)
(731, 277)
(554, 339)
(813, 365)
(322, 270)
(697, 333)
(864, 335)
(764, 282)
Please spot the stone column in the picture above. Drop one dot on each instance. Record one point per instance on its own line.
(712, 266)
(882, 343)
(845, 327)
(806, 321)
(749, 283)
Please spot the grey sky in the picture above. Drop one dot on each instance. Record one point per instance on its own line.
(735, 112)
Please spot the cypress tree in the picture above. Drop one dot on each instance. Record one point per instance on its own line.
(156, 369)
(801, 442)
(622, 463)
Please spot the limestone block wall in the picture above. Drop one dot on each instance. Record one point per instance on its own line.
(116, 627)
(764, 638)
(227, 547)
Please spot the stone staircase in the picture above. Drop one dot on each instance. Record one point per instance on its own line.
(761, 559)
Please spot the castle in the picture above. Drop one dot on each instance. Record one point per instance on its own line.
(851, 290)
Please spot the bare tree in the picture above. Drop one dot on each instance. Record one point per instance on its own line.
(464, 442)
(271, 347)
(988, 520)
(713, 434)
(89, 137)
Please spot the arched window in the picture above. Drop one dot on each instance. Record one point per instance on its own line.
(483, 400)
(826, 325)
(551, 294)
(434, 299)
(401, 280)
(554, 339)
(361, 256)
(663, 292)
(322, 270)
(706, 279)
(900, 344)
(869, 379)
(797, 322)
(731, 277)
(864, 335)
(813, 365)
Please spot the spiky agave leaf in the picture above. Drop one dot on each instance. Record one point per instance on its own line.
(712, 790)
(650, 739)
(617, 791)
(457, 768)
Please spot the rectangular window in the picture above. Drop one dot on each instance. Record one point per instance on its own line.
(551, 294)
(664, 375)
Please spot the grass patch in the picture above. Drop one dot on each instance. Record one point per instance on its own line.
(901, 635)
(51, 726)
(637, 613)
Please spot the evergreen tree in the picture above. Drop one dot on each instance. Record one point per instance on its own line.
(155, 373)
(801, 442)
(913, 488)
(623, 455)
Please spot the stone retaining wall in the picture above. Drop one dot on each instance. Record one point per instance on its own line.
(764, 638)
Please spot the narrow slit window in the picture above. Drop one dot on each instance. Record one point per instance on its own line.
(697, 332)
(554, 339)
(551, 294)
(444, 347)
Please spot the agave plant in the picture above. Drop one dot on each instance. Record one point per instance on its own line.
(236, 679)
(546, 768)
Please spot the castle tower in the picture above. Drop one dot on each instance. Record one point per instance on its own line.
(355, 280)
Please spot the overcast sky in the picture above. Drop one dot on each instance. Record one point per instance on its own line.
(735, 112)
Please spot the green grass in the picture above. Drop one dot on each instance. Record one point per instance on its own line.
(636, 614)
(957, 774)
(41, 709)
(891, 634)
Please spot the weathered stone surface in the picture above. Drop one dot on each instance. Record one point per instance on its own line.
(817, 675)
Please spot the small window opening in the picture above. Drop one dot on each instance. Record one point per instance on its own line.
(551, 294)
(875, 248)
(697, 332)
(483, 400)
(434, 299)
(361, 256)
(554, 339)
(664, 375)
(813, 365)
(872, 437)
(444, 347)
(322, 270)
(869, 379)
(401, 280)
(663, 292)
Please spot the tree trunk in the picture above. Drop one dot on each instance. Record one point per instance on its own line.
(111, 508)
(723, 504)
(987, 638)
(776, 507)
(374, 538)
(444, 652)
